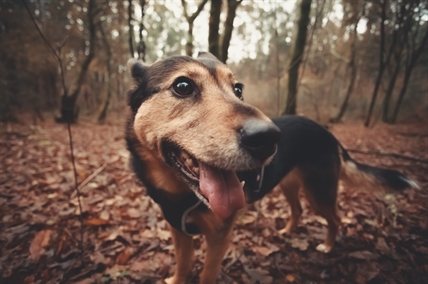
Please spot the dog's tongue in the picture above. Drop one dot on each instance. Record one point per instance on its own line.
(222, 189)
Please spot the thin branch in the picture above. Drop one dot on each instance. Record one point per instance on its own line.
(338, 56)
(38, 29)
(56, 54)
(200, 7)
(91, 177)
(76, 186)
(314, 27)
(393, 155)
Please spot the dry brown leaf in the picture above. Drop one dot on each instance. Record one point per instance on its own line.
(262, 250)
(163, 234)
(258, 275)
(362, 255)
(86, 281)
(123, 257)
(97, 257)
(134, 213)
(248, 219)
(301, 244)
(140, 265)
(37, 246)
(290, 278)
(105, 215)
(29, 279)
(96, 222)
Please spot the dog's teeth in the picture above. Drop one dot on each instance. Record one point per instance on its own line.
(242, 183)
(185, 155)
(196, 171)
(188, 163)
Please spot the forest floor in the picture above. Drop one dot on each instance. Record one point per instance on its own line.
(124, 238)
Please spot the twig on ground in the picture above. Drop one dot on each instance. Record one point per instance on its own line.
(76, 188)
(397, 156)
(89, 178)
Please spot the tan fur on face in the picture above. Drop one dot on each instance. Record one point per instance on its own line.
(205, 125)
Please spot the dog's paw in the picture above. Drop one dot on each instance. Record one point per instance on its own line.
(175, 280)
(324, 248)
(288, 228)
(170, 280)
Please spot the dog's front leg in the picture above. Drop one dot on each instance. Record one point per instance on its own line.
(183, 248)
(217, 245)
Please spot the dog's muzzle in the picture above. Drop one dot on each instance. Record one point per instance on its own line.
(259, 138)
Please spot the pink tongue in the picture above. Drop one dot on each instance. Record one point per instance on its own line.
(222, 189)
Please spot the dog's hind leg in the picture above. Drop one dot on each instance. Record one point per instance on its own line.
(290, 185)
(320, 183)
(183, 249)
(333, 222)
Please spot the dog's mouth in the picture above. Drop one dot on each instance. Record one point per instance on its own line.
(219, 189)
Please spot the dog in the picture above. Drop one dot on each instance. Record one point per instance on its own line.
(203, 154)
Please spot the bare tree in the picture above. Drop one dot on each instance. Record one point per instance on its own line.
(214, 24)
(383, 60)
(352, 66)
(69, 111)
(413, 53)
(296, 59)
(190, 19)
(102, 113)
(232, 5)
(219, 45)
(130, 29)
(141, 48)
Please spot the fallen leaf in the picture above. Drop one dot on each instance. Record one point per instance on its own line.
(362, 255)
(258, 275)
(123, 257)
(37, 246)
(140, 265)
(134, 213)
(301, 244)
(163, 234)
(262, 250)
(96, 222)
(290, 278)
(105, 215)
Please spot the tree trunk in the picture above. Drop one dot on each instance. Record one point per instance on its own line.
(190, 20)
(69, 112)
(409, 68)
(131, 29)
(382, 63)
(189, 43)
(102, 113)
(293, 73)
(232, 5)
(353, 67)
(214, 23)
(390, 90)
(141, 48)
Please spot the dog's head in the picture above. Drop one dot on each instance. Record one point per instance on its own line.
(191, 122)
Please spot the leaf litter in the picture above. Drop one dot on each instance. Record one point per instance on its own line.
(126, 240)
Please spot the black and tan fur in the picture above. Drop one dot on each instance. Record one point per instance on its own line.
(177, 141)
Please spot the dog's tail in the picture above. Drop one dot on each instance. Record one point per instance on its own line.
(360, 174)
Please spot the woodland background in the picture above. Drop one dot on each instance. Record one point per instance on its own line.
(359, 67)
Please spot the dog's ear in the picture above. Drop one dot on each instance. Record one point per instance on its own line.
(206, 55)
(137, 69)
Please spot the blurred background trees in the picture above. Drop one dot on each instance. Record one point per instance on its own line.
(363, 60)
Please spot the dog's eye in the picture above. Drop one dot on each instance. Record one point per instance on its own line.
(237, 89)
(183, 87)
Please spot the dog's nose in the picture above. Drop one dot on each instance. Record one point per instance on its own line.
(259, 138)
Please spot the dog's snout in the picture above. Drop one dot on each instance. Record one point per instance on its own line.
(259, 138)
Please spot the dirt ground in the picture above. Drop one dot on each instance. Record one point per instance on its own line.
(124, 239)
